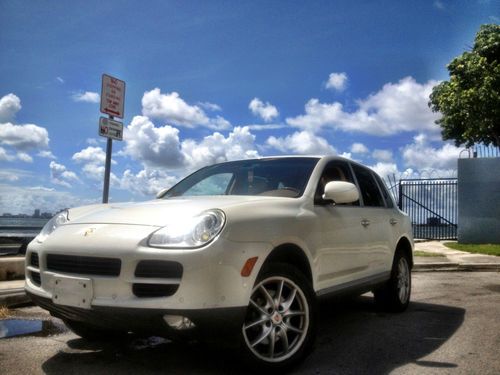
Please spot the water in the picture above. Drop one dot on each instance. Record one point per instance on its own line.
(21, 327)
(22, 222)
(18, 327)
(21, 225)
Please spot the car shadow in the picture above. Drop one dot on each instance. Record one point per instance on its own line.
(353, 338)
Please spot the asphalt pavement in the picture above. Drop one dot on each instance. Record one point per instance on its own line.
(450, 327)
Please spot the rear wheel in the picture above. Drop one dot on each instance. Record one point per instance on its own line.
(395, 294)
(279, 327)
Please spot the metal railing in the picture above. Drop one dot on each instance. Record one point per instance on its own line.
(431, 203)
(15, 239)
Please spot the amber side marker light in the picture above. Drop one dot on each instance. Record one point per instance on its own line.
(248, 266)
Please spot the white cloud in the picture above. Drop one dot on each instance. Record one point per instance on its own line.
(41, 188)
(382, 155)
(93, 160)
(95, 172)
(94, 142)
(10, 104)
(19, 199)
(359, 148)
(346, 155)
(396, 108)
(8, 175)
(46, 154)
(210, 106)
(11, 174)
(266, 111)
(258, 127)
(87, 97)
(23, 137)
(336, 81)
(19, 138)
(90, 155)
(154, 146)
(148, 182)
(172, 108)
(385, 169)
(5, 156)
(59, 175)
(161, 146)
(439, 5)
(215, 148)
(23, 156)
(303, 142)
(421, 155)
(317, 116)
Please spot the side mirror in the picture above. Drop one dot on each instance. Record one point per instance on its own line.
(341, 192)
(161, 193)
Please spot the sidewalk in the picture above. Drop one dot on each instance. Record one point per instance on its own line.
(446, 259)
(12, 291)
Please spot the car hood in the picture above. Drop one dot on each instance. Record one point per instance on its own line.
(160, 212)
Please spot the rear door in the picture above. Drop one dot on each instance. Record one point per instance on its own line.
(375, 219)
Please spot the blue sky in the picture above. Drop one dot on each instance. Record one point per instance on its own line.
(209, 81)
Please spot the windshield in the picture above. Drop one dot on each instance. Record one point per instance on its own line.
(285, 177)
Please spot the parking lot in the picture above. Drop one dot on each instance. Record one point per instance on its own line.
(451, 326)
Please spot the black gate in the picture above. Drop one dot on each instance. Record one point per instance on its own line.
(432, 206)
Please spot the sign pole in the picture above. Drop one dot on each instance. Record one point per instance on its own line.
(112, 104)
(107, 169)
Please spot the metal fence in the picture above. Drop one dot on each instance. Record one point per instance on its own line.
(431, 204)
(481, 151)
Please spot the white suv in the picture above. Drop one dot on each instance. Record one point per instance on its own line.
(238, 250)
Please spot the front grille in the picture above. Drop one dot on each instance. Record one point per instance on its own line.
(34, 260)
(84, 265)
(158, 269)
(35, 278)
(154, 290)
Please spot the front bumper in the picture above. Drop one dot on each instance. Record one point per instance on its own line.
(214, 325)
(210, 281)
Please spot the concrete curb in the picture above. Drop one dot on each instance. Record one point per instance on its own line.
(456, 267)
(13, 297)
(11, 268)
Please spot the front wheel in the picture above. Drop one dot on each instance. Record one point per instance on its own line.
(279, 327)
(395, 294)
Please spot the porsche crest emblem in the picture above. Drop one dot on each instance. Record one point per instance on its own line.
(88, 232)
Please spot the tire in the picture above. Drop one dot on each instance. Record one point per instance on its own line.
(93, 333)
(280, 325)
(394, 296)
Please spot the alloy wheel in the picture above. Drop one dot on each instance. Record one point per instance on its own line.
(403, 280)
(277, 321)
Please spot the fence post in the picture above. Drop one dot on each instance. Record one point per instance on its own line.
(400, 196)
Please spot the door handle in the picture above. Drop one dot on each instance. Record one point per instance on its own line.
(365, 222)
(393, 221)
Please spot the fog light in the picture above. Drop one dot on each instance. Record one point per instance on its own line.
(178, 322)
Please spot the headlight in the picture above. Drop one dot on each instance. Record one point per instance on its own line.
(52, 225)
(190, 233)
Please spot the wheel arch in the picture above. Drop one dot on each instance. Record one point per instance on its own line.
(404, 245)
(291, 254)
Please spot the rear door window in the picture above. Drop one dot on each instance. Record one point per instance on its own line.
(369, 188)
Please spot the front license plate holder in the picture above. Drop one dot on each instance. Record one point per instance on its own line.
(72, 291)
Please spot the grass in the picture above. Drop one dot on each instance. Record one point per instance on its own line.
(4, 312)
(420, 253)
(490, 249)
